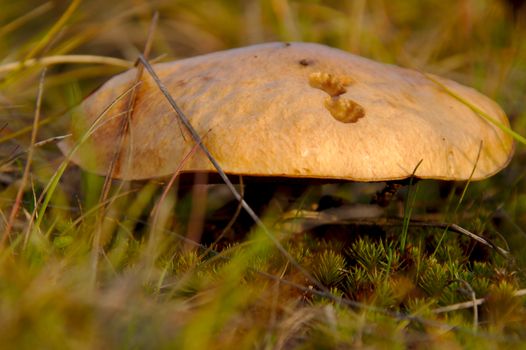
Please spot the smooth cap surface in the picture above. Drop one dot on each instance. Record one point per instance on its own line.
(294, 110)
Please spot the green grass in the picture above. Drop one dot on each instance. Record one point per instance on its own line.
(78, 272)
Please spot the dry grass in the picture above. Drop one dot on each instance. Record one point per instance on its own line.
(73, 278)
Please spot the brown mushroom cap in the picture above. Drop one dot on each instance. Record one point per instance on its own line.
(295, 110)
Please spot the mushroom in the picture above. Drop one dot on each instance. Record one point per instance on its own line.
(295, 110)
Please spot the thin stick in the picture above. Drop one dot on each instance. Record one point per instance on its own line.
(408, 210)
(156, 209)
(52, 139)
(197, 139)
(367, 221)
(172, 179)
(123, 132)
(472, 303)
(480, 239)
(26, 129)
(30, 153)
(55, 29)
(45, 196)
(61, 59)
(464, 191)
(25, 18)
(126, 121)
(14, 155)
(473, 296)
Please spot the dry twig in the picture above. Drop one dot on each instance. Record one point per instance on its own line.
(30, 153)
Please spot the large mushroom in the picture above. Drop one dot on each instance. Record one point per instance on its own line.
(296, 110)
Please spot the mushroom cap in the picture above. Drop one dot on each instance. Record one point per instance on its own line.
(293, 110)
